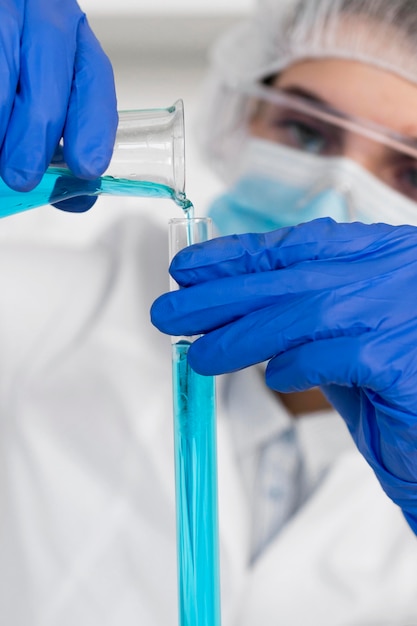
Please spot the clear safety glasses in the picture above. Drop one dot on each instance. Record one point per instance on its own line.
(311, 127)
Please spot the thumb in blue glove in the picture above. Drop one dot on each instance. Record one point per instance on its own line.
(327, 304)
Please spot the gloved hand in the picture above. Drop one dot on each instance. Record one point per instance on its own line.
(56, 82)
(328, 304)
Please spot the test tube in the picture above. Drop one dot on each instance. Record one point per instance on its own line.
(195, 467)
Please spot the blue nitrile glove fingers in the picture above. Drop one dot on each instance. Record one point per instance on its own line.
(283, 297)
(238, 254)
(65, 89)
(344, 317)
(47, 52)
(92, 119)
(241, 315)
(91, 124)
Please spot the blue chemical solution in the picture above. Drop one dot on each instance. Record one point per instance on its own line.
(59, 184)
(196, 492)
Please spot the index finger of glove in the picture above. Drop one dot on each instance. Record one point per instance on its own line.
(203, 307)
(263, 252)
(273, 330)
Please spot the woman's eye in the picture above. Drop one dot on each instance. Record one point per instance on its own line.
(303, 136)
(407, 180)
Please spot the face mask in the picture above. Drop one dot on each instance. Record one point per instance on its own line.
(278, 186)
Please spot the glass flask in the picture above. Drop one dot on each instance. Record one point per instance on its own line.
(195, 446)
(148, 160)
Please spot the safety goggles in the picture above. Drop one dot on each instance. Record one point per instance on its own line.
(313, 127)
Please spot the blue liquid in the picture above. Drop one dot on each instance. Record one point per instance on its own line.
(196, 493)
(59, 184)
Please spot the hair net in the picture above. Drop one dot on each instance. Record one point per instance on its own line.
(281, 32)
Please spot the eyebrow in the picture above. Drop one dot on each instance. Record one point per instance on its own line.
(306, 94)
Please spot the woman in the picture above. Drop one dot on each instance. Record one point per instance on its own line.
(311, 113)
(86, 484)
(308, 98)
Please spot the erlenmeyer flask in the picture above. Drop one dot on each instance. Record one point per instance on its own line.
(148, 160)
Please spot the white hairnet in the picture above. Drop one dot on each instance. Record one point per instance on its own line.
(282, 32)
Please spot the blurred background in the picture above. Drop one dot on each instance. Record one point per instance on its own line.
(159, 51)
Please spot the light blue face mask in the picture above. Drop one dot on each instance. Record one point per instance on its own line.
(256, 204)
(278, 186)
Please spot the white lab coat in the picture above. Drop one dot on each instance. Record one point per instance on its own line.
(87, 534)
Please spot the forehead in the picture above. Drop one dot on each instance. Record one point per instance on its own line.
(357, 89)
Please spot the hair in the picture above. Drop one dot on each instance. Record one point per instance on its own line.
(401, 14)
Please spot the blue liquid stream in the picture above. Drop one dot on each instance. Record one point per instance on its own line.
(196, 493)
(59, 184)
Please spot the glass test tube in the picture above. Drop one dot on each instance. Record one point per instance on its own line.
(195, 467)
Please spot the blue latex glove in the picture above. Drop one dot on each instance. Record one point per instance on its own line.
(56, 82)
(328, 304)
